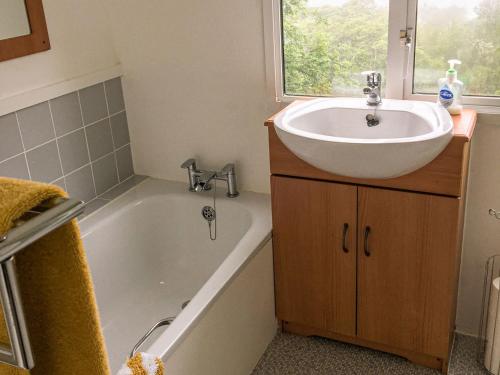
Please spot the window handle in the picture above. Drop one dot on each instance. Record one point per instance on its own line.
(406, 40)
(405, 37)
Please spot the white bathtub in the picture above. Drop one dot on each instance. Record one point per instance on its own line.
(149, 251)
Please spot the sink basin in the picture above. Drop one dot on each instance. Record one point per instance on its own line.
(332, 134)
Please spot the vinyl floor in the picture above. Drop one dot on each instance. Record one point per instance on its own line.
(296, 355)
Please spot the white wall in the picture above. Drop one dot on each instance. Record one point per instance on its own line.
(195, 85)
(81, 44)
(482, 231)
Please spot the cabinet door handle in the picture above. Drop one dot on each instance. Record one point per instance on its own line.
(367, 234)
(344, 238)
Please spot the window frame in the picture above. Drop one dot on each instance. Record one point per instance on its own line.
(400, 59)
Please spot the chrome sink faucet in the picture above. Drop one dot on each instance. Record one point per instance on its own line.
(200, 180)
(374, 81)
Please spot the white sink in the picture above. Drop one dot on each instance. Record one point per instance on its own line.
(332, 134)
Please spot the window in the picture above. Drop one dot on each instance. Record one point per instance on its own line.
(327, 44)
(322, 47)
(467, 30)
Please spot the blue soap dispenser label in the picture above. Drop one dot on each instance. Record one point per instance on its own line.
(445, 97)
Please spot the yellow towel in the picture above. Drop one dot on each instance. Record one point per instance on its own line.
(142, 364)
(57, 292)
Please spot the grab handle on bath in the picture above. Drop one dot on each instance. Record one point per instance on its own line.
(161, 323)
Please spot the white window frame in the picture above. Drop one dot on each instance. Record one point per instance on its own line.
(400, 59)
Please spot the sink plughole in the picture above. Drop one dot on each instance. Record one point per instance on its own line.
(332, 135)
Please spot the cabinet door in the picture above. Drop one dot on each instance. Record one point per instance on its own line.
(314, 241)
(407, 273)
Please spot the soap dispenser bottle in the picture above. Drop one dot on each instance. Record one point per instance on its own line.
(451, 89)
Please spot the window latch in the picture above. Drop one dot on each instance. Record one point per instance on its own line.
(405, 37)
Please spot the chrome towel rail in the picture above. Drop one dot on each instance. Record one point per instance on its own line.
(37, 223)
(32, 226)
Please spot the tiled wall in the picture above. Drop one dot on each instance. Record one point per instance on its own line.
(79, 141)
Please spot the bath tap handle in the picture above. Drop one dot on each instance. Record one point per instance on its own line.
(228, 173)
(189, 164)
(228, 169)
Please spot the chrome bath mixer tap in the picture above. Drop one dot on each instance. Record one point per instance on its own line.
(200, 180)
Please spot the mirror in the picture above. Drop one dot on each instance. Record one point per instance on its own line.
(23, 29)
(13, 19)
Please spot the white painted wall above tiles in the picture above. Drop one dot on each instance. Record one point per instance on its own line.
(81, 44)
(195, 85)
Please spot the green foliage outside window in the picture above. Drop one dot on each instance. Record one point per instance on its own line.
(326, 48)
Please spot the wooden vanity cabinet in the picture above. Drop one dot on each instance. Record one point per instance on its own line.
(407, 244)
(314, 241)
(371, 262)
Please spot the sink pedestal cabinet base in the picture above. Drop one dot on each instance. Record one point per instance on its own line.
(372, 263)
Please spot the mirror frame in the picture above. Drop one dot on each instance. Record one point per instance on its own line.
(37, 41)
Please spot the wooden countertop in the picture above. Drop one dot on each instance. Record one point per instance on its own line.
(465, 124)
